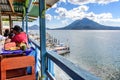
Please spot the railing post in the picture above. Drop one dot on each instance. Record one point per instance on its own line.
(42, 39)
(0, 22)
(36, 62)
(51, 67)
(26, 21)
(23, 24)
(10, 22)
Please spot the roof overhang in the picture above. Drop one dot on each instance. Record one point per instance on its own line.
(17, 8)
(34, 9)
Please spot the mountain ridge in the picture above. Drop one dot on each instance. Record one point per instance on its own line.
(86, 24)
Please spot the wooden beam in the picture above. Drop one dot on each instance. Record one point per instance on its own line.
(19, 0)
(10, 21)
(0, 22)
(48, 6)
(11, 13)
(37, 4)
(11, 2)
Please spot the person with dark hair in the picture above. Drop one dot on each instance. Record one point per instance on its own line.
(6, 34)
(20, 36)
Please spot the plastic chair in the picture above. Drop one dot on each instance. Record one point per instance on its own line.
(18, 63)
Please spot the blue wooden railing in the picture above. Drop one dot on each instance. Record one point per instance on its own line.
(76, 73)
(45, 59)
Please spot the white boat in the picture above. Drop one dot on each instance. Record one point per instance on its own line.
(61, 49)
(55, 45)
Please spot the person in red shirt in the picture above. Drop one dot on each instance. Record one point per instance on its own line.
(19, 36)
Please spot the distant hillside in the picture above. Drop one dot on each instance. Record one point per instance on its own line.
(87, 24)
(35, 27)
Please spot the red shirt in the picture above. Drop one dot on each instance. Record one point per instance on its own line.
(21, 37)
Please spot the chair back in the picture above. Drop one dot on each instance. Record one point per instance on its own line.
(18, 63)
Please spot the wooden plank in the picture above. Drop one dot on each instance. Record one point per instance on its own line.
(11, 13)
(10, 21)
(37, 4)
(11, 2)
(19, 0)
(18, 62)
(28, 77)
(0, 22)
(13, 63)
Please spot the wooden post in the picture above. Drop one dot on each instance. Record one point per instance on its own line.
(10, 22)
(42, 30)
(26, 21)
(0, 22)
(23, 24)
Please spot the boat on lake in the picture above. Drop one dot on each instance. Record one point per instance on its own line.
(61, 49)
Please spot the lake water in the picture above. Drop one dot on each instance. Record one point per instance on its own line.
(97, 51)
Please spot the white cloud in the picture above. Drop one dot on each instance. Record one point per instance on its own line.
(80, 2)
(48, 17)
(63, 1)
(57, 17)
(75, 13)
(105, 16)
(62, 12)
(105, 1)
(110, 22)
(92, 15)
(65, 22)
(81, 8)
(82, 11)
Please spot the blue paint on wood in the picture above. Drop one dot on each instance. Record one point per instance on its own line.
(26, 22)
(76, 73)
(51, 67)
(23, 24)
(73, 71)
(42, 40)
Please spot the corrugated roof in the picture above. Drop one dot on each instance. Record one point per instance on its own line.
(16, 8)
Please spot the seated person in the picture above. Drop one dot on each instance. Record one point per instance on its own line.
(6, 33)
(11, 34)
(19, 36)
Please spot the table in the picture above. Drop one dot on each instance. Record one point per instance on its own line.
(27, 51)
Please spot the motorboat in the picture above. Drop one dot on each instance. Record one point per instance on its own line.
(60, 48)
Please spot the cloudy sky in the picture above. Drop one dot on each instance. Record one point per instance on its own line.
(64, 12)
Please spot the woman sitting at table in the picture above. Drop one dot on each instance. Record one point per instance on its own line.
(19, 36)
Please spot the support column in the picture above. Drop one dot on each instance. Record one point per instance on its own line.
(10, 22)
(26, 21)
(0, 22)
(23, 24)
(42, 39)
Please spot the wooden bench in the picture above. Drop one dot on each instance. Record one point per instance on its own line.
(16, 65)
